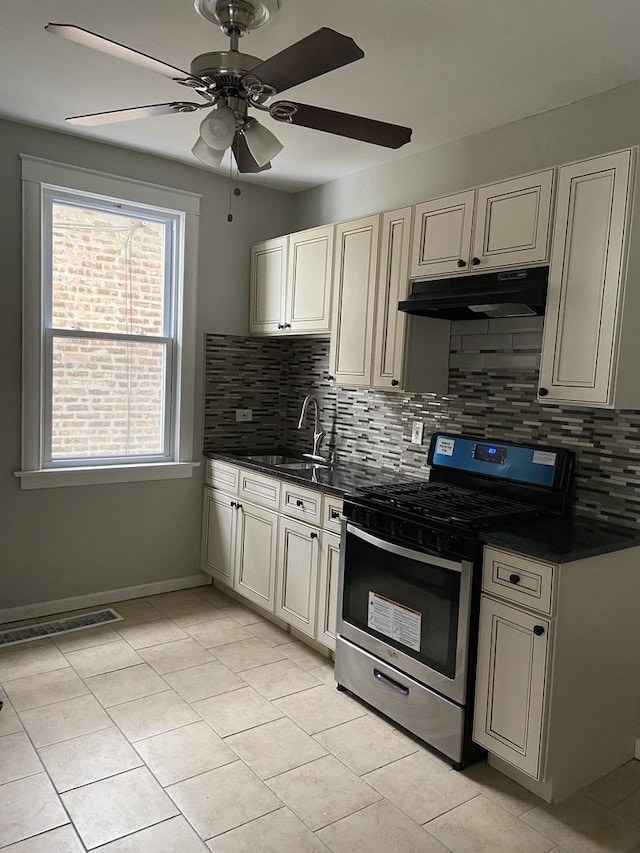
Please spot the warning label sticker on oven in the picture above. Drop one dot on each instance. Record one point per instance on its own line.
(394, 620)
(445, 446)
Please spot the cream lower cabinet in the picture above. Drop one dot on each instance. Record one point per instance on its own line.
(328, 589)
(558, 666)
(590, 348)
(297, 575)
(239, 546)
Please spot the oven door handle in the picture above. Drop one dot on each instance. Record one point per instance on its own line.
(389, 682)
(409, 554)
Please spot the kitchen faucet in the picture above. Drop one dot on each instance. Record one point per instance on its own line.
(318, 433)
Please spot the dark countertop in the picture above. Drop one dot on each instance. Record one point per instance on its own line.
(341, 478)
(562, 540)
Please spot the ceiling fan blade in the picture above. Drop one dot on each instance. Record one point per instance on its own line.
(120, 51)
(314, 55)
(244, 158)
(110, 116)
(342, 124)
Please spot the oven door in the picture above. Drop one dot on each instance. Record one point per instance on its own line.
(409, 608)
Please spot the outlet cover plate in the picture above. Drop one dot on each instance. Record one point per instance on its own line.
(244, 414)
(416, 432)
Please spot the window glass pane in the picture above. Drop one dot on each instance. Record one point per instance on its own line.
(107, 271)
(107, 398)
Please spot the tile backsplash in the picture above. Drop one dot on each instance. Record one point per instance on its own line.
(492, 393)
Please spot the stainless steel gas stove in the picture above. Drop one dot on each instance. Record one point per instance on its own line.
(410, 578)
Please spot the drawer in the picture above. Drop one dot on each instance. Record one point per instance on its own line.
(518, 579)
(332, 513)
(262, 490)
(298, 502)
(221, 475)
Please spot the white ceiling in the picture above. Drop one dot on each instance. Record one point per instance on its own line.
(447, 68)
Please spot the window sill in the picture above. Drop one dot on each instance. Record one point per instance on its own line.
(99, 475)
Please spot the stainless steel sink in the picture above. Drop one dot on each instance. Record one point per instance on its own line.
(301, 466)
(274, 459)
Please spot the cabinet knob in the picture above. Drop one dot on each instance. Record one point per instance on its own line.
(239, 506)
(287, 326)
(543, 392)
(335, 514)
(461, 263)
(395, 383)
(280, 326)
(330, 378)
(475, 261)
(514, 578)
(314, 535)
(299, 503)
(538, 630)
(234, 504)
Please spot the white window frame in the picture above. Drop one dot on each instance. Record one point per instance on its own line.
(42, 177)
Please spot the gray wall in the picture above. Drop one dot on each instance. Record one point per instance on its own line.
(61, 542)
(602, 123)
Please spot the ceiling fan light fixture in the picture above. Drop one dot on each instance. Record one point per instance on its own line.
(208, 156)
(218, 128)
(262, 144)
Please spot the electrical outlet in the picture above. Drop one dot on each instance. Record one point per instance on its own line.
(416, 432)
(244, 415)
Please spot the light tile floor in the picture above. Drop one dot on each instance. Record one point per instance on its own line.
(196, 725)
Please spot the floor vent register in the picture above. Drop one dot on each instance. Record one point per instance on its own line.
(58, 626)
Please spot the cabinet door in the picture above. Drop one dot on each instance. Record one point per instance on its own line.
(256, 544)
(354, 281)
(512, 222)
(585, 281)
(268, 283)
(510, 687)
(309, 271)
(218, 535)
(328, 589)
(442, 236)
(393, 285)
(297, 581)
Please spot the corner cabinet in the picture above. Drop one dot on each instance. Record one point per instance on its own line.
(590, 349)
(373, 345)
(495, 226)
(291, 284)
(557, 669)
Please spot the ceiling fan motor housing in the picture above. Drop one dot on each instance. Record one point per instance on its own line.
(226, 67)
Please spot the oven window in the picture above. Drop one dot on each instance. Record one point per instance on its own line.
(410, 605)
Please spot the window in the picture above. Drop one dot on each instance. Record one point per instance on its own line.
(109, 321)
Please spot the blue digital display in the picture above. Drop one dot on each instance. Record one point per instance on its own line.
(532, 465)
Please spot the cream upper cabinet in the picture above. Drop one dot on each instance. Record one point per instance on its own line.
(309, 271)
(442, 235)
(354, 287)
(512, 222)
(291, 284)
(409, 353)
(495, 226)
(268, 279)
(585, 360)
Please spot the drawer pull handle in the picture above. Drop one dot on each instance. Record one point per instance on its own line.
(300, 503)
(314, 535)
(538, 630)
(514, 578)
(335, 514)
(389, 682)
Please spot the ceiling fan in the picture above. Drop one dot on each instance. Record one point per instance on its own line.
(229, 82)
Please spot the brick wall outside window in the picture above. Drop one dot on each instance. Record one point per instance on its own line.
(107, 276)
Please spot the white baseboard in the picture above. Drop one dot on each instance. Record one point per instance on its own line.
(638, 748)
(77, 602)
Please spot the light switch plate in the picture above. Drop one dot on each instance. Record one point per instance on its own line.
(244, 414)
(416, 432)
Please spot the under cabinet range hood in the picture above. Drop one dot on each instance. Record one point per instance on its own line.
(512, 293)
